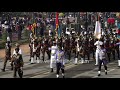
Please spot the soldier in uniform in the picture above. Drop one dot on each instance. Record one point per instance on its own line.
(107, 47)
(14, 52)
(97, 44)
(102, 59)
(54, 48)
(117, 47)
(60, 61)
(7, 53)
(112, 48)
(31, 40)
(34, 47)
(118, 44)
(91, 47)
(77, 50)
(17, 61)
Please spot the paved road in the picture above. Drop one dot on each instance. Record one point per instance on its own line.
(42, 70)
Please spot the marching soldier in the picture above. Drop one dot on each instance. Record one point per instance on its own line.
(112, 48)
(107, 47)
(102, 59)
(117, 47)
(7, 53)
(30, 44)
(14, 52)
(34, 49)
(118, 44)
(91, 46)
(17, 63)
(97, 44)
(60, 61)
(53, 53)
(77, 51)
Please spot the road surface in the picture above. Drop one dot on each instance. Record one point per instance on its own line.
(42, 70)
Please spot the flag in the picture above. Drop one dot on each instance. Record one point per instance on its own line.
(32, 28)
(57, 15)
(34, 25)
(97, 32)
(118, 33)
(118, 25)
(59, 31)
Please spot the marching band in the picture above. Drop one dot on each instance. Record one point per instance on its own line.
(62, 48)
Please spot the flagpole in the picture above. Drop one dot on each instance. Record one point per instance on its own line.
(57, 24)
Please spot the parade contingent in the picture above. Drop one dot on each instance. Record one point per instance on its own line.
(97, 44)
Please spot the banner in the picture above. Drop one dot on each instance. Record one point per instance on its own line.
(57, 20)
(97, 32)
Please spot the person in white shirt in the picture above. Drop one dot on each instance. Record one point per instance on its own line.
(98, 48)
(60, 61)
(15, 53)
(102, 59)
(54, 49)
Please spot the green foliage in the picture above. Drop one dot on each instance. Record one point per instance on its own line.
(4, 36)
(2, 44)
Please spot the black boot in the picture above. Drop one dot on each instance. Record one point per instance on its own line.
(29, 59)
(98, 74)
(105, 73)
(51, 69)
(3, 70)
(12, 68)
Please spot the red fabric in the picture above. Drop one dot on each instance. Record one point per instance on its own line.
(57, 15)
(29, 27)
(118, 31)
(111, 20)
(17, 27)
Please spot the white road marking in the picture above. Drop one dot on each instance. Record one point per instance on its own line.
(111, 70)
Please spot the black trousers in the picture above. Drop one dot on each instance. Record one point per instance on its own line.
(100, 63)
(6, 59)
(20, 72)
(59, 66)
(113, 54)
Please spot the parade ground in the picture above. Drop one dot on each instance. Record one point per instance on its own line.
(40, 44)
(42, 70)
